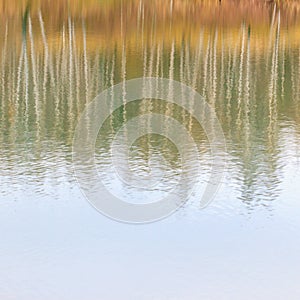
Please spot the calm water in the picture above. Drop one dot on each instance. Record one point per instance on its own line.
(54, 60)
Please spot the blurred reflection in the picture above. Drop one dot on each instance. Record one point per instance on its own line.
(54, 61)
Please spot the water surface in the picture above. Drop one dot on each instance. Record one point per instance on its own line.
(54, 61)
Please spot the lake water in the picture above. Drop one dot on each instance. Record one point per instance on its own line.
(243, 59)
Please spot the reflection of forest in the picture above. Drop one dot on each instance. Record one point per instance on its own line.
(170, 20)
(232, 11)
(249, 71)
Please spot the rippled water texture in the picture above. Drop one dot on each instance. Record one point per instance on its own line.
(244, 59)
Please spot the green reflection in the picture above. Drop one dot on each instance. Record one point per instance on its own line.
(252, 82)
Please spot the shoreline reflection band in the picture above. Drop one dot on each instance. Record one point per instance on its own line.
(102, 107)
